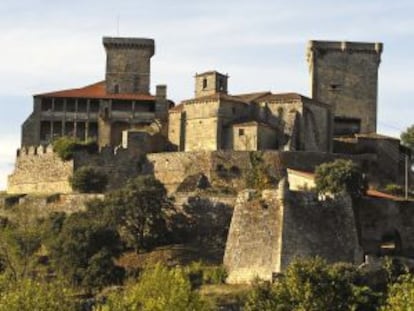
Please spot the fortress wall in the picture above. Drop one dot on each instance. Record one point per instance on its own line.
(380, 218)
(40, 170)
(319, 228)
(269, 230)
(118, 164)
(43, 205)
(254, 240)
(229, 168)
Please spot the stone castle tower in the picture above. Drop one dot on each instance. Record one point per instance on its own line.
(128, 64)
(345, 75)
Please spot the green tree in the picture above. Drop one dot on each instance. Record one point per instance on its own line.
(138, 211)
(30, 295)
(89, 179)
(84, 251)
(313, 285)
(338, 176)
(407, 137)
(158, 289)
(401, 295)
(20, 238)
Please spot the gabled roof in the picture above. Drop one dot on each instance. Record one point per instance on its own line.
(248, 97)
(98, 91)
(216, 96)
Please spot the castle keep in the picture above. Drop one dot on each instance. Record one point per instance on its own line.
(220, 138)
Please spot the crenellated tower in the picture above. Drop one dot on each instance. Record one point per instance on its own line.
(345, 75)
(128, 64)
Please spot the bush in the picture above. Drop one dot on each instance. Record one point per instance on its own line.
(29, 295)
(66, 146)
(158, 289)
(394, 189)
(401, 295)
(338, 176)
(313, 285)
(89, 179)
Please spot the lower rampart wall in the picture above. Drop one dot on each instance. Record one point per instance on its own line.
(269, 230)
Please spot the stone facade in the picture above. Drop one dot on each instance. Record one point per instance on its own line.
(345, 75)
(262, 121)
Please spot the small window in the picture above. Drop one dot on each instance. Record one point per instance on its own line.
(335, 87)
(221, 85)
(204, 83)
(233, 110)
(116, 88)
(241, 132)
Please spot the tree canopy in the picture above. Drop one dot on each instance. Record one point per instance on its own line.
(338, 176)
(407, 137)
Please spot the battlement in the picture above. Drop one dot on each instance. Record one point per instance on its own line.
(34, 150)
(117, 42)
(345, 46)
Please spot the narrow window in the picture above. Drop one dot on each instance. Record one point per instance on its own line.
(116, 88)
(204, 83)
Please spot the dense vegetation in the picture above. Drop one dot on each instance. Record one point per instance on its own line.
(89, 179)
(67, 261)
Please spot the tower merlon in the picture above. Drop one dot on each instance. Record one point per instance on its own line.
(118, 42)
(376, 47)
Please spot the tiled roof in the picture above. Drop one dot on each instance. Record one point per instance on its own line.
(216, 96)
(96, 90)
(375, 136)
(252, 96)
(382, 195)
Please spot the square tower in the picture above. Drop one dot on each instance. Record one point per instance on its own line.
(345, 75)
(128, 64)
(209, 83)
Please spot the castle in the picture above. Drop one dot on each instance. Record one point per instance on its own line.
(215, 134)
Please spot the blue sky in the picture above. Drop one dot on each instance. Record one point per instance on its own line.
(51, 45)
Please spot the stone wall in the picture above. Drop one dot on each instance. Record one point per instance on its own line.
(254, 241)
(229, 168)
(313, 227)
(40, 170)
(42, 205)
(382, 221)
(269, 230)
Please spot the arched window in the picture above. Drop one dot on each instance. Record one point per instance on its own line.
(204, 83)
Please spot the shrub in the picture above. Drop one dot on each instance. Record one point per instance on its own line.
(401, 295)
(394, 189)
(313, 285)
(29, 295)
(89, 179)
(338, 176)
(158, 289)
(66, 146)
